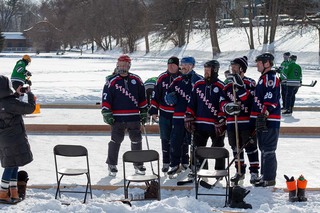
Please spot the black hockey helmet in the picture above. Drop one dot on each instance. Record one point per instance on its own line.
(265, 57)
(214, 64)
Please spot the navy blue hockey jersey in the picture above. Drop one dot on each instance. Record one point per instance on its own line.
(182, 86)
(125, 97)
(160, 90)
(204, 104)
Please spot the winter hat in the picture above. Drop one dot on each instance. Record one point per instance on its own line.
(173, 60)
(243, 63)
(188, 60)
(287, 54)
(293, 57)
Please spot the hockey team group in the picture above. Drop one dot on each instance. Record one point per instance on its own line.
(191, 108)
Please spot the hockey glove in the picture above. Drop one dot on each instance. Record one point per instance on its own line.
(220, 127)
(27, 81)
(143, 116)
(108, 117)
(171, 98)
(232, 108)
(236, 79)
(189, 123)
(261, 122)
(28, 73)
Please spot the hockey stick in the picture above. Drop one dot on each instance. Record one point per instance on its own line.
(147, 142)
(236, 128)
(312, 84)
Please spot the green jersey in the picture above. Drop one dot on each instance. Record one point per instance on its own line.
(18, 73)
(284, 66)
(293, 74)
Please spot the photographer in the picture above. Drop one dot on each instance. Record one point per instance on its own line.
(14, 146)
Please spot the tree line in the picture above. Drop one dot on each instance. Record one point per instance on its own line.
(101, 22)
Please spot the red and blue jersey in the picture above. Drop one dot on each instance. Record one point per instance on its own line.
(267, 98)
(160, 90)
(204, 104)
(125, 97)
(244, 96)
(182, 86)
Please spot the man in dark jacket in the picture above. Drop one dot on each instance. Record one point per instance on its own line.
(14, 146)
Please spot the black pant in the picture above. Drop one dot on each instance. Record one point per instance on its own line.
(200, 138)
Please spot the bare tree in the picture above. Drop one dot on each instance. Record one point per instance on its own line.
(8, 9)
(212, 14)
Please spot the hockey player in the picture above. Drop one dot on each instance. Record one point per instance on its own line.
(282, 69)
(204, 112)
(20, 75)
(124, 106)
(265, 114)
(178, 96)
(161, 111)
(244, 91)
(293, 76)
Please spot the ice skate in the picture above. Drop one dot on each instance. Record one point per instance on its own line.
(112, 170)
(140, 170)
(174, 171)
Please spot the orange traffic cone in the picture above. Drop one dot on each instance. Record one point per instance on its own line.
(37, 109)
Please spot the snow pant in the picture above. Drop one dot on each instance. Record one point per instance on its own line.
(283, 95)
(179, 145)
(165, 125)
(9, 175)
(251, 150)
(291, 97)
(268, 141)
(117, 136)
(200, 138)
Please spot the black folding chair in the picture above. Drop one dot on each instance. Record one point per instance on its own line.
(141, 156)
(71, 151)
(213, 153)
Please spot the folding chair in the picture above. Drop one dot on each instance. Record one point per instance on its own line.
(71, 151)
(141, 156)
(207, 153)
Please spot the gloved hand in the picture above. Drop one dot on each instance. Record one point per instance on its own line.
(189, 123)
(261, 122)
(236, 79)
(27, 81)
(171, 98)
(232, 108)
(220, 127)
(108, 117)
(143, 116)
(278, 69)
(28, 73)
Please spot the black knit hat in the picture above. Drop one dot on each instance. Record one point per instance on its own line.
(173, 60)
(243, 63)
(287, 54)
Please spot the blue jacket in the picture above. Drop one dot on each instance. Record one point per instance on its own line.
(267, 97)
(204, 104)
(125, 97)
(182, 86)
(160, 90)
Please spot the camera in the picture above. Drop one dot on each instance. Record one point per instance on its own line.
(24, 88)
